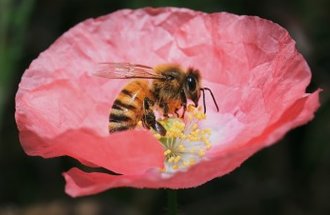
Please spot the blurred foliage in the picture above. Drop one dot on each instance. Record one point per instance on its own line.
(13, 24)
(291, 177)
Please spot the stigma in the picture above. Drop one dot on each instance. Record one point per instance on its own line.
(185, 143)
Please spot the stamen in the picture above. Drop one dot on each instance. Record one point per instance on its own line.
(185, 143)
(167, 152)
(157, 135)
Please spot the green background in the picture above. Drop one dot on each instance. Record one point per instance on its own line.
(291, 177)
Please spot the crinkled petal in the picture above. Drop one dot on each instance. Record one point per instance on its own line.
(80, 183)
(251, 64)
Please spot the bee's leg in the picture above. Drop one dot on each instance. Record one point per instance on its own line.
(184, 110)
(149, 119)
(144, 121)
(184, 102)
(176, 112)
(165, 108)
(147, 103)
(159, 128)
(146, 112)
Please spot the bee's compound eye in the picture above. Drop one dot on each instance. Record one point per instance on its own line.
(191, 83)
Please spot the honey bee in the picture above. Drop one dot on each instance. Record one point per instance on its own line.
(166, 87)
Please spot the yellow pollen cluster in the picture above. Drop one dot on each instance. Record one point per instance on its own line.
(175, 129)
(185, 143)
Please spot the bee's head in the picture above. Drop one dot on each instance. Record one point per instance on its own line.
(192, 85)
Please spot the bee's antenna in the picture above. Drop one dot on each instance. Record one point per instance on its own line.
(204, 105)
(215, 102)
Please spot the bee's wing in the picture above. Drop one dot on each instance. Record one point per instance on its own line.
(127, 71)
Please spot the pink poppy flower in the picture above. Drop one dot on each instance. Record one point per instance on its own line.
(251, 64)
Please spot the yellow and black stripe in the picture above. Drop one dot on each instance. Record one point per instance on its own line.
(127, 109)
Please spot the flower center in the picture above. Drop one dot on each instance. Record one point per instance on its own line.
(185, 143)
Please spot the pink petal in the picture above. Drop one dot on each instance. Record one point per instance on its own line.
(58, 119)
(80, 183)
(251, 65)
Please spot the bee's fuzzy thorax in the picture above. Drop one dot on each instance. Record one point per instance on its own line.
(167, 66)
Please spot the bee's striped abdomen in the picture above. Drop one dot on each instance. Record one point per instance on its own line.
(127, 109)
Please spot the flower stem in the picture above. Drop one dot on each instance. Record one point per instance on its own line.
(172, 203)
